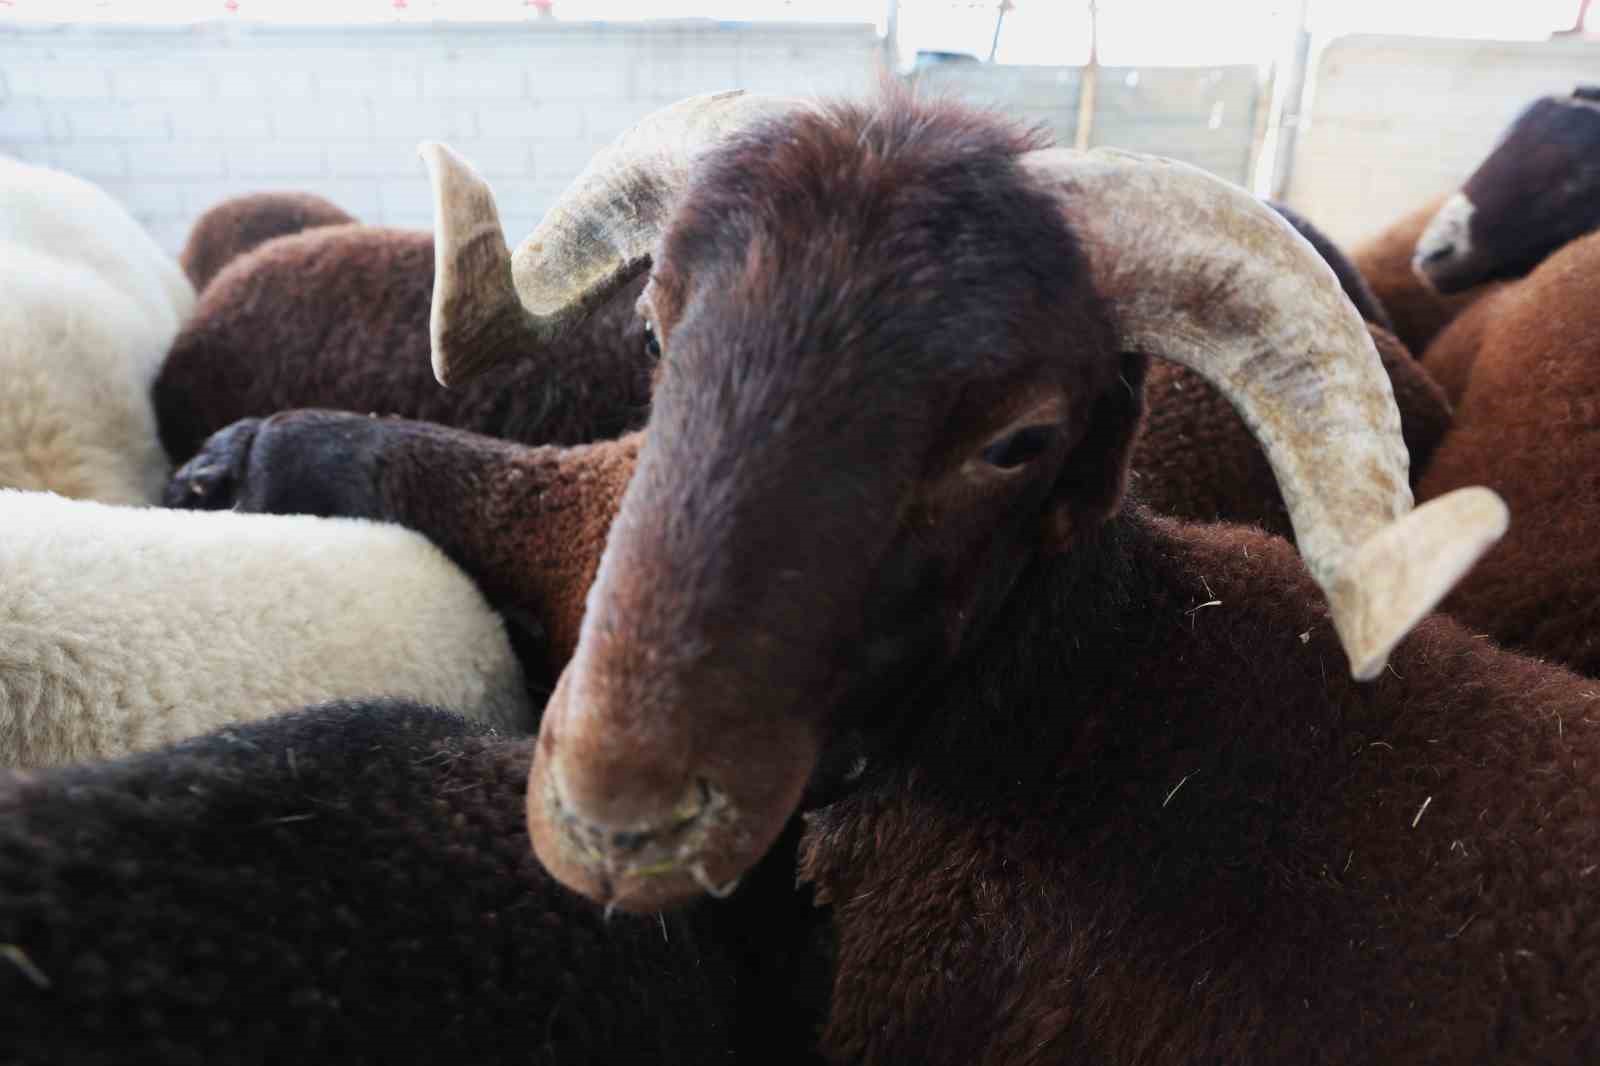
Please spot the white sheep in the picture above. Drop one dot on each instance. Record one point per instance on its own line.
(91, 306)
(124, 628)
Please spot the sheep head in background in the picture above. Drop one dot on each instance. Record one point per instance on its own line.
(890, 379)
(240, 223)
(1537, 190)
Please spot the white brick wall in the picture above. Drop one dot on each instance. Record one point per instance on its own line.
(173, 120)
(1397, 120)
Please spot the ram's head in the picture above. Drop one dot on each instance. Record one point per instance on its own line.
(894, 370)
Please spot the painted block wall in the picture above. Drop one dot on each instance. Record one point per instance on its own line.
(1395, 121)
(174, 119)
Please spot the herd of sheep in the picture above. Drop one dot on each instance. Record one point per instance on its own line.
(806, 625)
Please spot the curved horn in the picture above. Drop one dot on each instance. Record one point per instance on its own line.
(1195, 270)
(476, 319)
(597, 237)
(1198, 271)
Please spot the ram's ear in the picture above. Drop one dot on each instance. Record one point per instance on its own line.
(1090, 486)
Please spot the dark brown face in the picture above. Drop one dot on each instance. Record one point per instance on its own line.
(1537, 190)
(885, 385)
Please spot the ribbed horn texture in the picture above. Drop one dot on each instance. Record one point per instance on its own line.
(476, 320)
(597, 237)
(1200, 272)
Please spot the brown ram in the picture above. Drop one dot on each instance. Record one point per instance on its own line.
(1111, 779)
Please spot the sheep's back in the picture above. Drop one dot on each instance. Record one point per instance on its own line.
(1196, 458)
(241, 223)
(337, 317)
(76, 359)
(1528, 426)
(127, 628)
(1452, 354)
(1157, 822)
(351, 882)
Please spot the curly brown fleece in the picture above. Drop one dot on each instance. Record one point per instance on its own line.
(1153, 822)
(1196, 458)
(1528, 426)
(1450, 357)
(237, 225)
(337, 317)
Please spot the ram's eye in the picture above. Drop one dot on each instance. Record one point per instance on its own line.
(652, 343)
(1023, 446)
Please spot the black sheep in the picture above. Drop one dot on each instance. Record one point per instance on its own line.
(353, 882)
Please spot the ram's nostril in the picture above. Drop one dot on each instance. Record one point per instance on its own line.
(698, 799)
(631, 841)
(1442, 252)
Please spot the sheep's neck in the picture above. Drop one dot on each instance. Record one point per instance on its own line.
(1151, 819)
(529, 524)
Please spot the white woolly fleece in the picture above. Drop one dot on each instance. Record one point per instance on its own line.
(75, 373)
(63, 216)
(126, 628)
(91, 305)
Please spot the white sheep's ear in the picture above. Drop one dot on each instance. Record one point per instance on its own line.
(1198, 271)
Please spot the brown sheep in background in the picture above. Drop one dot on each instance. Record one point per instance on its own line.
(528, 523)
(235, 226)
(1536, 190)
(1451, 355)
(1528, 425)
(337, 317)
(1521, 363)
(1196, 459)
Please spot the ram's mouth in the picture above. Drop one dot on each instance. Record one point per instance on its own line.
(645, 866)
